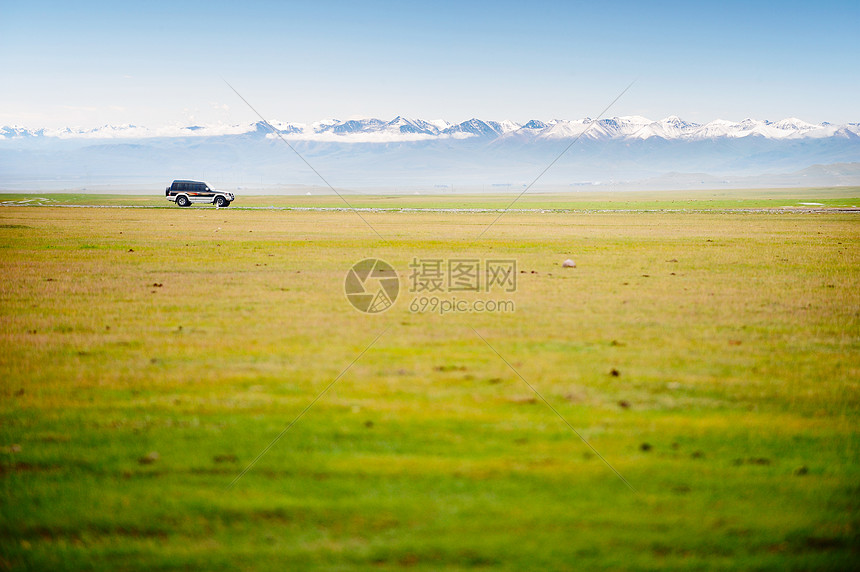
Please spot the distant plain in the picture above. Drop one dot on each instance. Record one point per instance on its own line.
(584, 200)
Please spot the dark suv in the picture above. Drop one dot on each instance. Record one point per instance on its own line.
(183, 193)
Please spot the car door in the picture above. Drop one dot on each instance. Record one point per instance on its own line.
(197, 192)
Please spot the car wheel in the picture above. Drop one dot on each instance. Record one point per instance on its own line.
(183, 201)
(221, 202)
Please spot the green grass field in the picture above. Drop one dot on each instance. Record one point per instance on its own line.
(584, 200)
(149, 355)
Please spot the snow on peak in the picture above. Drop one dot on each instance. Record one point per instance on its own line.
(795, 123)
(402, 128)
(534, 124)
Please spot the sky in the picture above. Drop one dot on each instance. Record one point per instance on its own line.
(87, 64)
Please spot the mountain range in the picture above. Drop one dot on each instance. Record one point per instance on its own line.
(404, 154)
(405, 129)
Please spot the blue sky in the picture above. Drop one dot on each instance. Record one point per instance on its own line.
(158, 63)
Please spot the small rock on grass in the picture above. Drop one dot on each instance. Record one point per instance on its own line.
(568, 264)
(149, 458)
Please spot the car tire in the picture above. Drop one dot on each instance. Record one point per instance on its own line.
(221, 202)
(182, 201)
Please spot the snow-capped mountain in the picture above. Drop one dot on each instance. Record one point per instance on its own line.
(409, 152)
(408, 129)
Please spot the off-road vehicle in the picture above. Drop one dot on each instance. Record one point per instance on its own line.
(184, 193)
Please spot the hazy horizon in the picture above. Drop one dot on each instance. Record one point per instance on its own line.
(92, 63)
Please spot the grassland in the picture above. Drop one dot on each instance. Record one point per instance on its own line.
(200, 334)
(726, 199)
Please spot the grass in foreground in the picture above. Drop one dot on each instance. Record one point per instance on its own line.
(199, 335)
